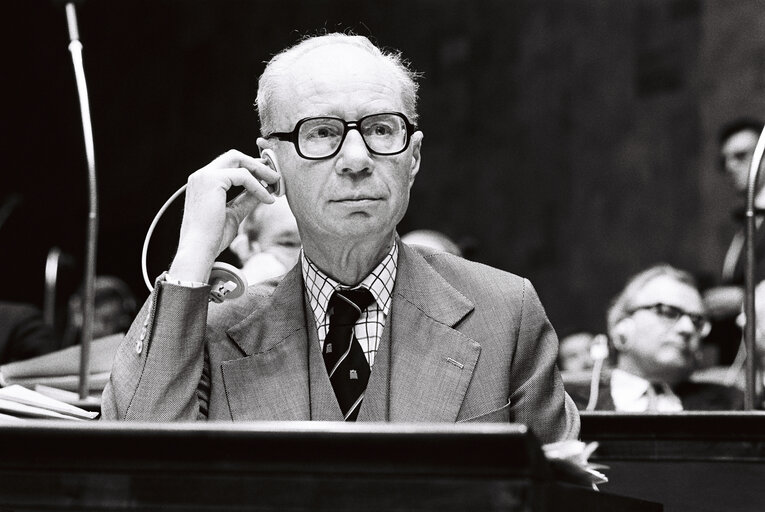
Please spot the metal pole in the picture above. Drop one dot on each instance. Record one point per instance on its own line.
(751, 390)
(88, 299)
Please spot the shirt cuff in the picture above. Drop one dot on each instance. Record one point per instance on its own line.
(167, 278)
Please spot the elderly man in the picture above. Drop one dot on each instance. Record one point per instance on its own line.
(363, 327)
(656, 325)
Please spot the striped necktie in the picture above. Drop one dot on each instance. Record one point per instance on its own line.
(347, 366)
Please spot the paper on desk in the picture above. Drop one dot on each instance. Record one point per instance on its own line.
(69, 397)
(96, 381)
(18, 400)
(7, 418)
(569, 460)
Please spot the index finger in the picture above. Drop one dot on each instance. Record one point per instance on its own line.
(234, 158)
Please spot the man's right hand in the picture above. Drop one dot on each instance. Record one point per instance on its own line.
(723, 301)
(209, 223)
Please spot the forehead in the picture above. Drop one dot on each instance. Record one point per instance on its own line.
(741, 141)
(670, 291)
(575, 341)
(339, 79)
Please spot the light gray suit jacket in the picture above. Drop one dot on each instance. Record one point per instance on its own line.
(463, 342)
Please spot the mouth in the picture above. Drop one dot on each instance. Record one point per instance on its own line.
(683, 348)
(358, 200)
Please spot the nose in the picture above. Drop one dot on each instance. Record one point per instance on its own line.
(685, 325)
(354, 157)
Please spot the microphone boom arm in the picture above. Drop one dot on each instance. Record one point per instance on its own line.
(75, 48)
(751, 390)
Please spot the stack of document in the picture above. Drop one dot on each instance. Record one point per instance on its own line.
(61, 369)
(570, 462)
(18, 403)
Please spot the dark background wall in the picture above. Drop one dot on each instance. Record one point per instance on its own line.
(572, 142)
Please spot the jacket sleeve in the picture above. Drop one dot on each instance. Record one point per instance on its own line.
(159, 364)
(538, 398)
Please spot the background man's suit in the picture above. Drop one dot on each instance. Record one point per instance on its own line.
(695, 396)
(463, 342)
(24, 333)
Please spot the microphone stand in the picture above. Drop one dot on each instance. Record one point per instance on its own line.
(75, 48)
(751, 391)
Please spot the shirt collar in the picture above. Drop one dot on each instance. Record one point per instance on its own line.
(626, 387)
(319, 286)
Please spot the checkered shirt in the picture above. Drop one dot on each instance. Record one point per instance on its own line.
(369, 327)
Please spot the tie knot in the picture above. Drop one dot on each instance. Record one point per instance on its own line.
(345, 306)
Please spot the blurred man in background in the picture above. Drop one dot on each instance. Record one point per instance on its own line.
(574, 351)
(432, 239)
(734, 374)
(656, 325)
(113, 310)
(268, 244)
(23, 332)
(737, 141)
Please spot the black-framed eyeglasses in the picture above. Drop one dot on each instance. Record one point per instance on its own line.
(673, 314)
(316, 138)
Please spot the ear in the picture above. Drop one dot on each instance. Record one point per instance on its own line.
(263, 144)
(622, 333)
(416, 143)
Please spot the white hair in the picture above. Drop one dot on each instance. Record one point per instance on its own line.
(269, 82)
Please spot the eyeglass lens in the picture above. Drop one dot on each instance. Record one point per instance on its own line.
(383, 134)
(674, 314)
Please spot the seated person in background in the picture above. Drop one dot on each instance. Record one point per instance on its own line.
(268, 244)
(23, 333)
(433, 239)
(656, 325)
(114, 308)
(574, 351)
(363, 327)
(734, 375)
(737, 141)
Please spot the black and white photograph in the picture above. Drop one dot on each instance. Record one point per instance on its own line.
(386, 256)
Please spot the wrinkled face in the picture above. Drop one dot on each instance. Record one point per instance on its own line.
(661, 347)
(354, 195)
(736, 154)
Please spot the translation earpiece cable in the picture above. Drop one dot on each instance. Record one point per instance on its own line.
(228, 271)
(732, 374)
(597, 367)
(598, 353)
(145, 250)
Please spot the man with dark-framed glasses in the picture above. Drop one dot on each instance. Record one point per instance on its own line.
(363, 328)
(655, 327)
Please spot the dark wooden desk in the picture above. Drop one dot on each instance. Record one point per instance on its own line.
(283, 466)
(687, 461)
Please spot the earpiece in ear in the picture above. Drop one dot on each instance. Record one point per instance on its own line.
(622, 332)
(269, 158)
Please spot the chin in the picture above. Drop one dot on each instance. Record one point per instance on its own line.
(675, 371)
(361, 226)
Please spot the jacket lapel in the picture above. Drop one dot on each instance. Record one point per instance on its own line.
(431, 363)
(324, 406)
(271, 382)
